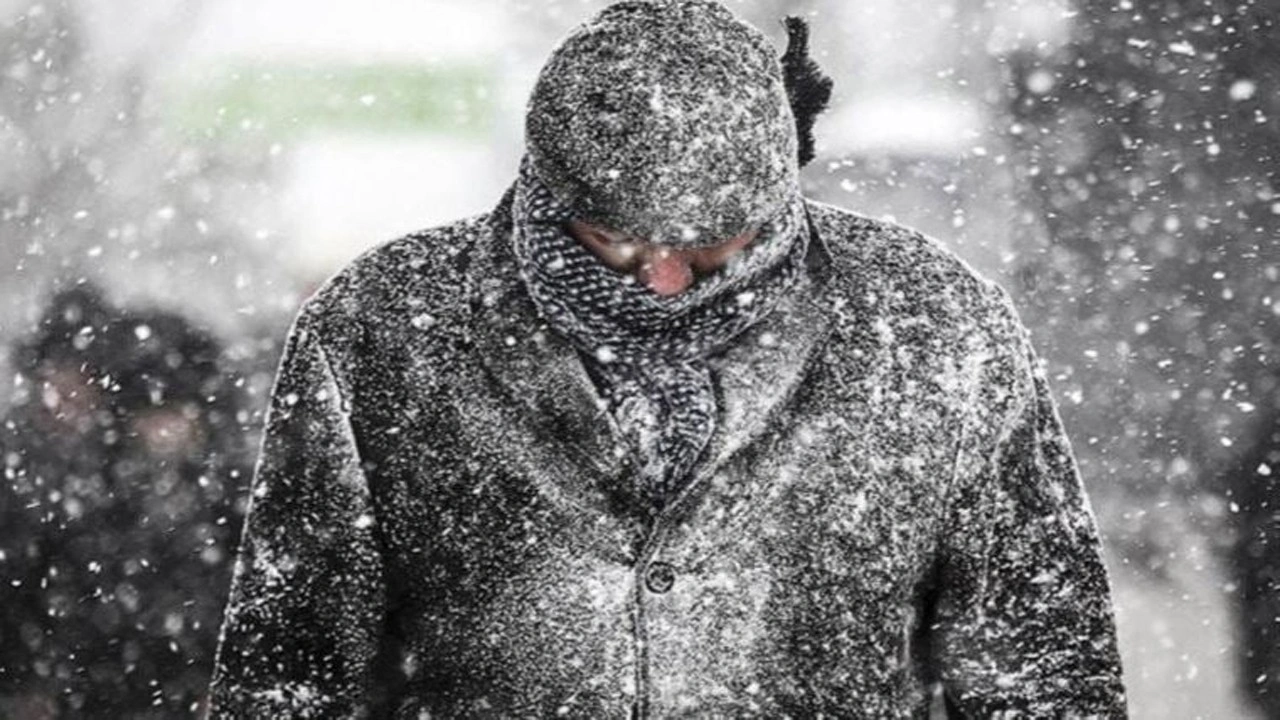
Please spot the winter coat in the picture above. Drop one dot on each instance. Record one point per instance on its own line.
(442, 523)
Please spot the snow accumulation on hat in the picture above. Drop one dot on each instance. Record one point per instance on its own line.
(668, 120)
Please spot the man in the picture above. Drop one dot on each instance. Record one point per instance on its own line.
(658, 437)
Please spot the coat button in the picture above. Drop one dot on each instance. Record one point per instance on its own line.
(660, 577)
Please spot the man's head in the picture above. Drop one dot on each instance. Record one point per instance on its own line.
(667, 123)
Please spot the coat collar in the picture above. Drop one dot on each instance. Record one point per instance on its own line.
(543, 374)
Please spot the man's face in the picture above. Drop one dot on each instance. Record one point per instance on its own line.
(665, 270)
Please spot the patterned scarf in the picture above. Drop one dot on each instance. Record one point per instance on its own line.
(649, 352)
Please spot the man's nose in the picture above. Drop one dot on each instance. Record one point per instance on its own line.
(665, 271)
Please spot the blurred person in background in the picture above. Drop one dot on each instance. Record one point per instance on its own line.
(660, 437)
(117, 513)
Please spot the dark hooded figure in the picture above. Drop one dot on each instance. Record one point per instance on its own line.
(659, 437)
(117, 514)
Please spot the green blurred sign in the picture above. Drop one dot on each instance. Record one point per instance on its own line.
(290, 99)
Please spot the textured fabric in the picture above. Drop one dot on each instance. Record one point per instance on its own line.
(888, 503)
(668, 120)
(651, 351)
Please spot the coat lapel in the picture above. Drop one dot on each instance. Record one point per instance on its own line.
(762, 369)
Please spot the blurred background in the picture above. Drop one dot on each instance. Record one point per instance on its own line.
(176, 177)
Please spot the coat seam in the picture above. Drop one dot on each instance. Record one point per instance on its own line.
(344, 402)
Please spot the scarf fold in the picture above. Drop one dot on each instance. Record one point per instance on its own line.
(649, 353)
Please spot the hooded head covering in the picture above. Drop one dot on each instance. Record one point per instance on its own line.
(668, 120)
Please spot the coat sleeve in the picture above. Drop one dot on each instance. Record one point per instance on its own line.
(1023, 624)
(305, 613)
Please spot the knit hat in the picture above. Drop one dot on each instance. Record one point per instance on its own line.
(667, 120)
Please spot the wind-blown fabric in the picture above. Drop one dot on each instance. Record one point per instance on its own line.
(650, 351)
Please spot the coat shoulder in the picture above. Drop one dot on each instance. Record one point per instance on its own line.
(398, 292)
(901, 275)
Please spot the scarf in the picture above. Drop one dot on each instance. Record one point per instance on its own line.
(648, 353)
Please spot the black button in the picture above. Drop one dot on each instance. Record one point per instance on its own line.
(660, 577)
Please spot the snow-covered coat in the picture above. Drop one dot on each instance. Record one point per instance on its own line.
(442, 525)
